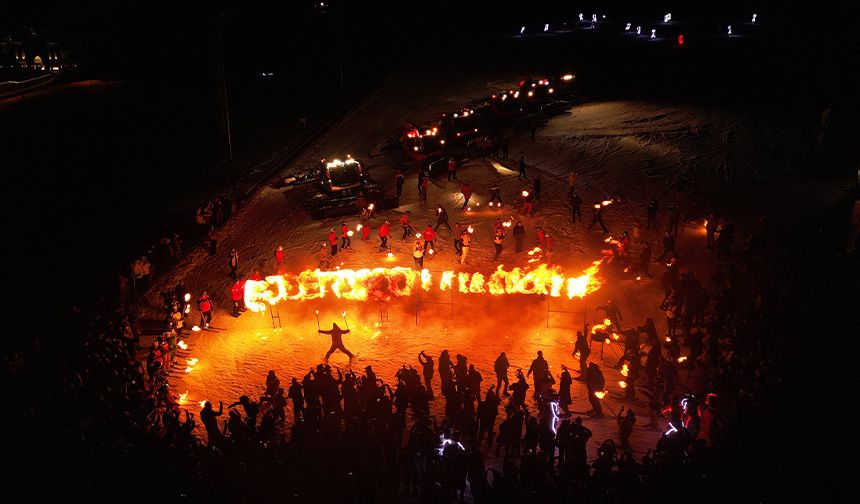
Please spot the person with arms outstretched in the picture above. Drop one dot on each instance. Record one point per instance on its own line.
(336, 341)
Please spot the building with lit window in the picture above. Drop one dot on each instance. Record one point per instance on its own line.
(32, 49)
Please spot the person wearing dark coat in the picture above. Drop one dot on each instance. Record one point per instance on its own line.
(519, 236)
(575, 207)
(597, 218)
(652, 215)
(336, 341)
(581, 347)
(595, 382)
(501, 368)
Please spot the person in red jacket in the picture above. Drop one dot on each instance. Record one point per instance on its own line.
(429, 237)
(204, 304)
(407, 228)
(365, 233)
(541, 236)
(237, 293)
(466, 188)
(422, 189)
(384, 232)
(528, 203)
(550, 245)
(279, 255)
(332, 240)
(345, 241)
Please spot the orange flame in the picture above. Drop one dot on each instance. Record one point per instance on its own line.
(624, 370)
(189, 369)
(600, 327)
(622, 384)
(183, 345)
(682, 359)
(196, 328)
(202, 403)
(600, 395)
(192, 361)
(183, 397)
(383, 284)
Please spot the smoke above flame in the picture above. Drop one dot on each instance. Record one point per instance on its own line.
(384, 284)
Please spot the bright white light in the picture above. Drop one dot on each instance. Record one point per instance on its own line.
(446, 442)
(627, 28)
(653, 33)
(580, 16)
(730, 29)
(671, 429)
(638, 30)
(754, 16)
(594, 18)
(667, 17)
(546, 27)
(553, 408)
(522, 30)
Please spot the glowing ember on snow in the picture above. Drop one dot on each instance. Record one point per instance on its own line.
(600, 395)
(382, 284)
(182, 345)
(624, 370)
(196, 328)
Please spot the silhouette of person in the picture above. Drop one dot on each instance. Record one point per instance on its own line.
(337, 341)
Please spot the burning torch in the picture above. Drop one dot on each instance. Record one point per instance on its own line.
(318, 320)
(600, 394)
(343, 314)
